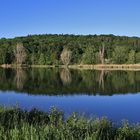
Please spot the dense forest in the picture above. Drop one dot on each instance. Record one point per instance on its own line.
(70, 49)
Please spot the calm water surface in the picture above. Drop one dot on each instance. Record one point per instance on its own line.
(115, 94)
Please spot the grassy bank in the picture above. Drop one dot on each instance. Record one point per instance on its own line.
(16, 124)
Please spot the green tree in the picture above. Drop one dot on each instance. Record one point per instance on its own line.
(131, 57)
(120, 54)
(89, 57)
(2, 56)
(138, 57)
(42, 60)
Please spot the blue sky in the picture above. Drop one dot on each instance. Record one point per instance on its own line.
(24, 17)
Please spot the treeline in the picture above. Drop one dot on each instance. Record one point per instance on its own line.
(70, 49)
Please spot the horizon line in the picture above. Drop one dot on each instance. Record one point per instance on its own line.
(75, 34)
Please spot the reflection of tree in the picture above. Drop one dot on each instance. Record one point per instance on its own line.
(101, 80)
(120, 80)
(41, 74)
(49, 81)
(131, 77)
(65, 76)
(20, 78)
(88, 78)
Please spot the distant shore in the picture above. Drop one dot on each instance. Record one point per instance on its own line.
(86, 67)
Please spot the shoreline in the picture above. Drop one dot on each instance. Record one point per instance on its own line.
(132, 67)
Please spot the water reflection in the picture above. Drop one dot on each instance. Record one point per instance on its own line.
(20, 78)
(65, 76)
(40, 88)
(66, 81)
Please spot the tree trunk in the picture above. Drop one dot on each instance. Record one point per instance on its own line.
(101, 53)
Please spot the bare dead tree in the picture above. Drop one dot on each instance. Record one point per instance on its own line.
(101, 53)
(66, 57)
(20, 54)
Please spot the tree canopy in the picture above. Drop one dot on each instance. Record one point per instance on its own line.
(85, 49)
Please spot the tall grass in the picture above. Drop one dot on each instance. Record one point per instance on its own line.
(16, 124)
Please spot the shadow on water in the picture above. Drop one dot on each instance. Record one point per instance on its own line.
(65, 81)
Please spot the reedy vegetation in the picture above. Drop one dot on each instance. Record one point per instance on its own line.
(16, 124)
(90, 49)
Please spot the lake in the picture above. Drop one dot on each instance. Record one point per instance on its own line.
(115, 94)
